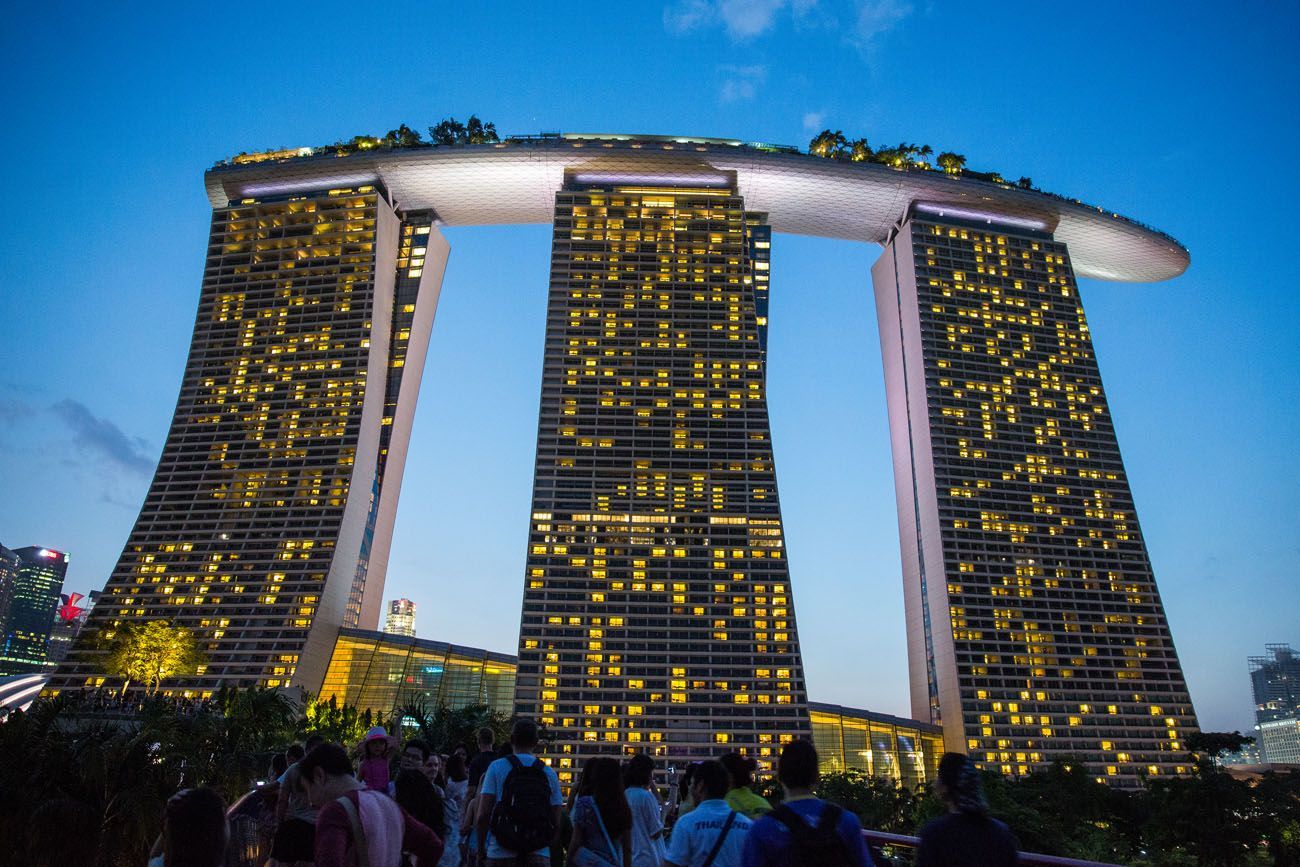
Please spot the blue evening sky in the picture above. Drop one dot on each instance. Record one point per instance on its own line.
(1179, 114)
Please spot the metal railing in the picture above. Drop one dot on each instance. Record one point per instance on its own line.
(887, 845)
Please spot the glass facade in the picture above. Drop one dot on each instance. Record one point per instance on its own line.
(657, 612)
(881, 745)
(1275, 682)
(37, 579)
(1035, 627)
(381, 671)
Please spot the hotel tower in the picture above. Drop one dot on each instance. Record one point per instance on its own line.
(657, 606)
(1035, 631)
(268, 521)
(657, 611)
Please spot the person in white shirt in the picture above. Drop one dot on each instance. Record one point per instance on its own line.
(712, 834)
(647, 821)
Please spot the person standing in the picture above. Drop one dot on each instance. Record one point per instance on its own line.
(712, 834)
(295, 817)
(602, 822)
(376, 750)
(454, 802)
(356, 825)
(195, 831)
(520, 800)
(485, 756)
(967, 836)
(805, 831)
(741, 796)
(647, 815)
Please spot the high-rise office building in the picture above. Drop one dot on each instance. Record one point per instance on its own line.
(9, 565)
(24, 643)
(657, 611)
(401, 618)
(1275, 682)
(272, 507)
(1035, 629)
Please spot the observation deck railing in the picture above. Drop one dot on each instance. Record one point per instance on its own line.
(887, 845)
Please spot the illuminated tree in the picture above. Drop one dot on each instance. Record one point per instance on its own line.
(402, 137)
(952, 163)
(859, 151)
(152, 652)
(828, 144)
(478, 132)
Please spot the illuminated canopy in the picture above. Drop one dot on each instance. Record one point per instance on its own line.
(515, 181)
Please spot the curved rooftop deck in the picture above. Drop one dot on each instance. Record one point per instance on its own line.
(515, 181)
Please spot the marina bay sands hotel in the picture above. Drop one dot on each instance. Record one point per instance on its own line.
(658, 607)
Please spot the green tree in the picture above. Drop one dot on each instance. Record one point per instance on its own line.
(443, 727)
(336, 723)
(828, 144)
(448, 131)
(952, 163)
(478, 132)
(402, 137)
(881, 803)
(859, 150)
(152, 652)
(1025, 183)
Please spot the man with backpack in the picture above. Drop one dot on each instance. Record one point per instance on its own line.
(519, 810)
(804, 831)
(712, 834)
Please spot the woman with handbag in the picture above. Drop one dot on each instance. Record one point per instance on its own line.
(602, 821)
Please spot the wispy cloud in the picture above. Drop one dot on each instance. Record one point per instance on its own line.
(873, 18)
(742, 19)
(740, 83)
(101, 438)
(813, 121)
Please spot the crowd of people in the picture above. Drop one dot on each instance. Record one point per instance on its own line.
(389, 804)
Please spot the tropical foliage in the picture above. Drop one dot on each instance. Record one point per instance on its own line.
(904, 155)
(1207, 818)
(441, 725)
(151, 652)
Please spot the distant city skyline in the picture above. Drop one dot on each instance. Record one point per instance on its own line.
(1198, 390)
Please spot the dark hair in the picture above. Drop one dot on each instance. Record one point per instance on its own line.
(605, 779)
(330, 757)
(194, 829)
(797, 767)
(295, 752)
(456, 768)
(417, 796)
(279, 764)
(313, 742)
(417, 744)
(741, 768)
(486, 737)
(638, 772)
(961, 782)
(714, 777)
(524, 734)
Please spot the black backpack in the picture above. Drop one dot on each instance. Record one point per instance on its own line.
(522, 818)
(819, 846)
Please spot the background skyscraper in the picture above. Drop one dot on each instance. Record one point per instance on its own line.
(657, 610)
(25, 641)
(1035, 629)
(1275, 682)
(400, 619)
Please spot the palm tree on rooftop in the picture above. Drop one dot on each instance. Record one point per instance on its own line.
(828, 144)
(952, 163)
(860, 151)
